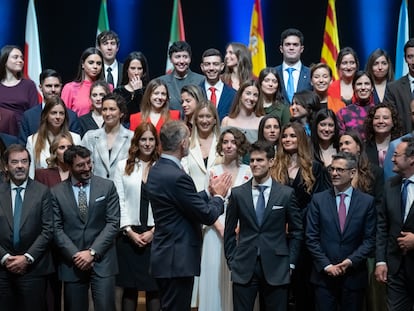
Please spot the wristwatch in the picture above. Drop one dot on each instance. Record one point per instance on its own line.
(92, 252)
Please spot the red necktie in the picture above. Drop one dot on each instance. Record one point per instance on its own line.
(342, 211)
(213, 97)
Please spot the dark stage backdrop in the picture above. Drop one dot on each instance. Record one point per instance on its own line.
(67, 27)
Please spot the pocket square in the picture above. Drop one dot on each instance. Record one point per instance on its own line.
(100, 199)
(277, 207)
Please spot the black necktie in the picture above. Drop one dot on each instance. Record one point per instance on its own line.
(261, 205)
(109, 76)
(18, 203)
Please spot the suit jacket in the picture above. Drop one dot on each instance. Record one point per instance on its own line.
(48, 176)
(304, 82)
(31, 122)
(95, 141)
(87, 123)
(328, 245)
(36, 227)
(226, 99)
(178, 213)
(389, 226)
(398, 93)
(277, 250)
(8, 139)
(72, 234)
(388, 165)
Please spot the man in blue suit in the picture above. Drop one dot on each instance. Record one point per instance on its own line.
(291, 47)
(51, 86)
(213, 88)
(340, 235)
(179, 212)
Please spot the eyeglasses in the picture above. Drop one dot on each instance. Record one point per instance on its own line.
(339, 170)
(396, 155)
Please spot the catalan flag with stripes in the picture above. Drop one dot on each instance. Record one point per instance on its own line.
(330, 47)
(256, 42)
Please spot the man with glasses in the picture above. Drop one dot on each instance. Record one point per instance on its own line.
(395, 235)
(340, 236)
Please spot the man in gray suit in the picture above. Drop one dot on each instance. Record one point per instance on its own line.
(26, 229)
(395, 231)
(262, 256)
(86, 215)
(400, 92)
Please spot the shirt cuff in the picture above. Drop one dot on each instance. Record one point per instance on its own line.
(4, 258)
(327, 267)
(219, 196)
(292, 266)
(29, 257)
(380, 263)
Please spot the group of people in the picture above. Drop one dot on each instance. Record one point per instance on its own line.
(215, 190)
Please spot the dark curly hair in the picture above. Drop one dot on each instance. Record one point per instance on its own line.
(241, 142)
(396, 130)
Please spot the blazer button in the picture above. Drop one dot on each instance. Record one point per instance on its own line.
(107, 175)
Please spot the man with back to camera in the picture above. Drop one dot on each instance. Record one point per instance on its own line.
(26, 230)
(220, 94)
(294, 75)
(263, 254)
(178, 213)
(108, 43)
(180, 56)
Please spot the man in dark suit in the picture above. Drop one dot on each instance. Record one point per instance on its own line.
(108, 43)
(395, 231)
(400, 92)
(51, 86)
(291, 47)
(86, 216)
(263, 254)
(220, 94)
(178, 213)
(340, 235)
(26, 229)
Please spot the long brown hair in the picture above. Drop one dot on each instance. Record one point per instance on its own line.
(133, 152)
(279, 170)
(235, 107)
(146, 100)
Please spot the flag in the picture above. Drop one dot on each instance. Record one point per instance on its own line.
(256, 42)
(401, 68)
(32, 60)
(330, 47)
(103, 22)
(176, 32)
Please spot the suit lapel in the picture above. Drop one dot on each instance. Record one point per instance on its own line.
(198, 157)
(102, 148)
(6, 203)
(120, 141)
(333, 210)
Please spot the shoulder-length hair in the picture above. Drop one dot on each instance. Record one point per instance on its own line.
(52, 160)
(210, 107)
(347, 51)
(42, 133)
(4, 56)
(146, 100)
(304, 158)
(260, 134)
(144, 63)
(134, 152)
(242, 143)
(80, 76)
(236, 106)
(278, 96)
(244, 63)
(396, 130)
(377, 53)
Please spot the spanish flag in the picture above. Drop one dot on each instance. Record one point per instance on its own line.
(256, 44)
(176, 32)
(330, 48)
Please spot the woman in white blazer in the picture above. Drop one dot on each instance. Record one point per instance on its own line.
(110, 143)
(137, 222)
(54, 120)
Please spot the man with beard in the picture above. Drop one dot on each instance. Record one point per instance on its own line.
(86, 222)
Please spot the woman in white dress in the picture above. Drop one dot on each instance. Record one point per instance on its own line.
(54, 120)
(215, 290)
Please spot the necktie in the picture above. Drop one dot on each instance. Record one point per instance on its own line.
(82, 202)
(260, 206)
(404, 194)
(381, 157)
(16, 217)
(290, 90)
(342, 211)
(109, 76)
(213, 97)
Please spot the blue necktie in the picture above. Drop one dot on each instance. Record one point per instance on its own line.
(261, 205)
(290, 90)
(404, 194)
(18, 202)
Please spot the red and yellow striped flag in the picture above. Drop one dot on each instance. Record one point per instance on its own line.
(256, 42)
(330, 47)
